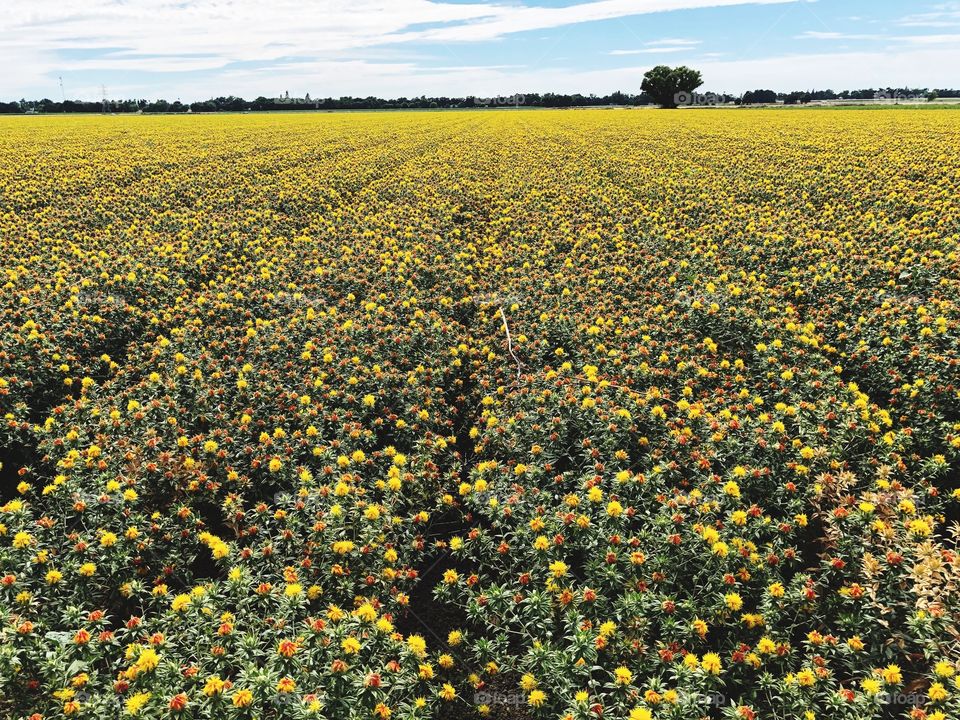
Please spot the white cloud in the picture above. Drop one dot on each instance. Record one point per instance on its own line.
(908, 66)
(822, 35)
(513, 19)
(193, 49)
(912, 39)
(651, 51)
(674, 41)
(663, 45)
(43, 36)
(928, 39)
(944, 15)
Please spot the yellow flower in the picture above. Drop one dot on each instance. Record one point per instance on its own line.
(147, 660)
(213, 686)
(350, 645)
(180, 602)
(870, 686)
(536, 698)
(366, 612)
(700, 627)
(417, 645)
(944, 669)
(242, 698)
(135, 703)
(342, 547)
(712, 664)
(937, 692)
(652, 697)
(733, 601)
(892, 675)
(806, 677)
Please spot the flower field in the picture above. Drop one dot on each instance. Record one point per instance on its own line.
(588, 414)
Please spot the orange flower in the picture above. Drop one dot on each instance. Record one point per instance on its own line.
(287, 648)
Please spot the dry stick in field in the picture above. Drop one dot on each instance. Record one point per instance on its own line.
(506, 328)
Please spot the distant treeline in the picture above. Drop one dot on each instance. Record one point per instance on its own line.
(552, 100)
(232, 103)
(805, 96)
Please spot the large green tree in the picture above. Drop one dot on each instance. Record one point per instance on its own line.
(671, 86)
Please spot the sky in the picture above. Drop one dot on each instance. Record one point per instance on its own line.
(195, 49)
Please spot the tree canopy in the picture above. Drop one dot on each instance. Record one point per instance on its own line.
(669, 86)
